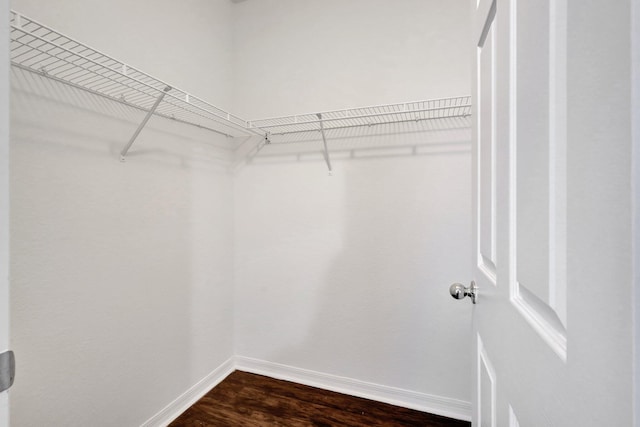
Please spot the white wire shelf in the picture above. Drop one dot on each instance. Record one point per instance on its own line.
(40, 49)
(443, 108)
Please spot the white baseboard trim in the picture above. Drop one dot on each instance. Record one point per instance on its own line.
(445, 406)
(191, 396)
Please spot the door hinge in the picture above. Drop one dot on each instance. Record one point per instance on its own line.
(7, 370)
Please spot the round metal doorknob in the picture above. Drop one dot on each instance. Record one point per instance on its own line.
(459, 291)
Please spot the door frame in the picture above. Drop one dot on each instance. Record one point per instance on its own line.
(635, 188)
(4, 196)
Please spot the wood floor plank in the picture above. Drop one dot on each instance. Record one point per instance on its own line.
(251, 400)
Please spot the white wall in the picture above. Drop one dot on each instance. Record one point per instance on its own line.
(635, 187)
(121, 272)
(4, 201)
(348, 275)
(295, 56)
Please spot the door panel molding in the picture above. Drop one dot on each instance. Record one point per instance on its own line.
(513, 420)
(558, 158)
(544, 305)
(486, 383)
(486, 131)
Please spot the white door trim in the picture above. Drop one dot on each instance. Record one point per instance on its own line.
(635, 188)
(4, 196)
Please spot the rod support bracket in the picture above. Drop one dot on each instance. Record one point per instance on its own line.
(124, 151)
(325, 152)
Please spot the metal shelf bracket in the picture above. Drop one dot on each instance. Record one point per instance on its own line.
(325, 152)
(124, 151)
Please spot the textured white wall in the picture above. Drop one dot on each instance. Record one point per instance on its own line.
(4, 200)
(298, 56)
(635, 129)
(348, 275)
(121, 272)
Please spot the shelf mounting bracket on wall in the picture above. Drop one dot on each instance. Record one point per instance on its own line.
(324, 143)
(124, 151)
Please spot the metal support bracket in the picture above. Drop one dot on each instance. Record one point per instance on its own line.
(124, 151)
(324, 143)
(7, 370)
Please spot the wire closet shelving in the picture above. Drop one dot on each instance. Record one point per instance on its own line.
(38, 48)
(443, 108)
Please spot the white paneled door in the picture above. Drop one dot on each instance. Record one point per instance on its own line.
(4, 197)
(552, 334)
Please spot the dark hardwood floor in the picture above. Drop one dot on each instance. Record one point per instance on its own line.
(249, 400)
